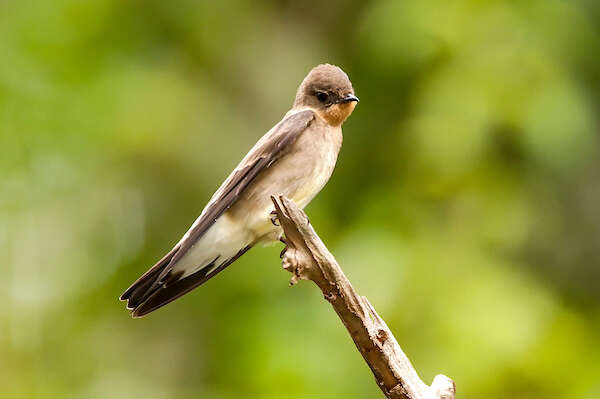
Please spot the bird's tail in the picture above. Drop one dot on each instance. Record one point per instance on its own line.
(149, 293)
(186, 267)
(147, 284)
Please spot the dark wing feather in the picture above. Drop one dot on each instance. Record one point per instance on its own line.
(267, 151)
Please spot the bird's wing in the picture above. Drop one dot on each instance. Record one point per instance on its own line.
(265, 153)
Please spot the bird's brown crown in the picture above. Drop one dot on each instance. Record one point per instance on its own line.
(327, 90)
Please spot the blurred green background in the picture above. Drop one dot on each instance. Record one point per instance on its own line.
(465, 204)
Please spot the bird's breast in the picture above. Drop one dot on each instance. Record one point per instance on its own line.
(312, 162)
(299, 175)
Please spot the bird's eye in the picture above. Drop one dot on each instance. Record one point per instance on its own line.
(321, 96)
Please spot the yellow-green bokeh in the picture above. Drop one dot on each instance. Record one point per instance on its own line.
(465, 204)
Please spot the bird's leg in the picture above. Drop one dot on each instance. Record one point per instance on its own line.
(274, 219)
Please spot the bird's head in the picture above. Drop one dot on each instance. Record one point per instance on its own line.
(328, 91)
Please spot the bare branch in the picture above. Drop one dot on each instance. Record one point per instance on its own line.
(307, 258)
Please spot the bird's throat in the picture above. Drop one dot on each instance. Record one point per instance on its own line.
(336, 114)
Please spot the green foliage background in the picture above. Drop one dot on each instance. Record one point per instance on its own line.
(465, 204)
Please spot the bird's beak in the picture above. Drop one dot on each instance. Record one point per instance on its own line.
(348, 99)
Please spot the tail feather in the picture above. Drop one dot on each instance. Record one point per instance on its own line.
(138, 291)
(174, 288)
(184, 269)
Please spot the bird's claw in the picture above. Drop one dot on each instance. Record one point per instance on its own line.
(285, 248)
(274, 219)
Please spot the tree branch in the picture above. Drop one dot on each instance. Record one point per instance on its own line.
(307, 258)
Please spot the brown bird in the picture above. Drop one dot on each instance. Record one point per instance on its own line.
(295, 158)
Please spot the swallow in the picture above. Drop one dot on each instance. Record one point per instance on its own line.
(295, 158)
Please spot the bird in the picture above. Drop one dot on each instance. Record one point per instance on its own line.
(295, 159)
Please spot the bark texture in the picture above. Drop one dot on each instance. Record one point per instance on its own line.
(307, 258)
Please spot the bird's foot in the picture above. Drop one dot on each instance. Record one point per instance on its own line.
(274, 219)
(284, 248)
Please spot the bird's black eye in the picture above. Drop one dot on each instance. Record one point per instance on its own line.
(321, 96)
